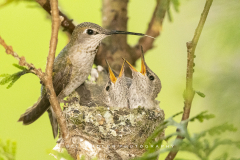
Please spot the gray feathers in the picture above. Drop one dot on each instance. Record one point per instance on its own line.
(141, 90)
(71, 68)
(108, 90)
(144, 88)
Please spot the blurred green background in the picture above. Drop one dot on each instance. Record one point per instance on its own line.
(27, 27)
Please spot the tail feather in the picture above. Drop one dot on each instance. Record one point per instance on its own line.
(34, 112)
(53, 121)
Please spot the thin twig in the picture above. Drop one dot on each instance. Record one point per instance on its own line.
(189, 92)
(154, 28)
(22, 61)
(48, 79)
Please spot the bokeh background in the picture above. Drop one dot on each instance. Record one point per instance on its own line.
(27, 27)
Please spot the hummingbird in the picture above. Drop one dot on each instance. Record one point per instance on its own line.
(144, 88)
(112, 94)
(71, 68)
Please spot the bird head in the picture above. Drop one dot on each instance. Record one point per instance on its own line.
(115, 91)
(145, 81)
(90, 34)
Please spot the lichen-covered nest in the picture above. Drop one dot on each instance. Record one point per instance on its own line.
(110, 133)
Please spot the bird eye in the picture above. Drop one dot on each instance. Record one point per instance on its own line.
(89, 31)
(107, 88)
(151, 78)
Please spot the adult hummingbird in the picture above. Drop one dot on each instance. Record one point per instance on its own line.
(111, 94)
(144, 88)
(71, 68)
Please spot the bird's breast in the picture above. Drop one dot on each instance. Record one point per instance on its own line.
(82, 60)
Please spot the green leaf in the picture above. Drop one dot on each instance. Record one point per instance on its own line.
(200, 94)
(20, 67)
(222, 128)
(149, 156)
(175, 115)
(160, 128)
(7, 150)
(7, 79)
(13, 81)
(202, 116)
(12, 78)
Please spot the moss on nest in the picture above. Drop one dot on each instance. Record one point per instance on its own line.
(119, 127)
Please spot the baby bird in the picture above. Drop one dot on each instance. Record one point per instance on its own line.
(113, 94)
(144, 88)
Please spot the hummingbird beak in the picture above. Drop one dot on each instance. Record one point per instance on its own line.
(143, 65)
(111, 74)
(131, 67)
(123, 32)
(122, 70)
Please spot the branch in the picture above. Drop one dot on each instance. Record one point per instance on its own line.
(22, 61)
(66, 22)
(189, 92)
(48, 78)
(154, 28)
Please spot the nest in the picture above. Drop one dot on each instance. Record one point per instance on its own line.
(110, 133)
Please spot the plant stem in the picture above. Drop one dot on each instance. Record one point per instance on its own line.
(189, 92)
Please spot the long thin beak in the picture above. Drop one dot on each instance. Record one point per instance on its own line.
(111, 74)
(132, 68)
(122, 70)
(123, 32)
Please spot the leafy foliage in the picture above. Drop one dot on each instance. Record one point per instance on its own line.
(11, 79)
(197, 143)
(7, 150)
(202, 116)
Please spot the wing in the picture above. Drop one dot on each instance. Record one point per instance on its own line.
(62, 72)
(61, 76)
